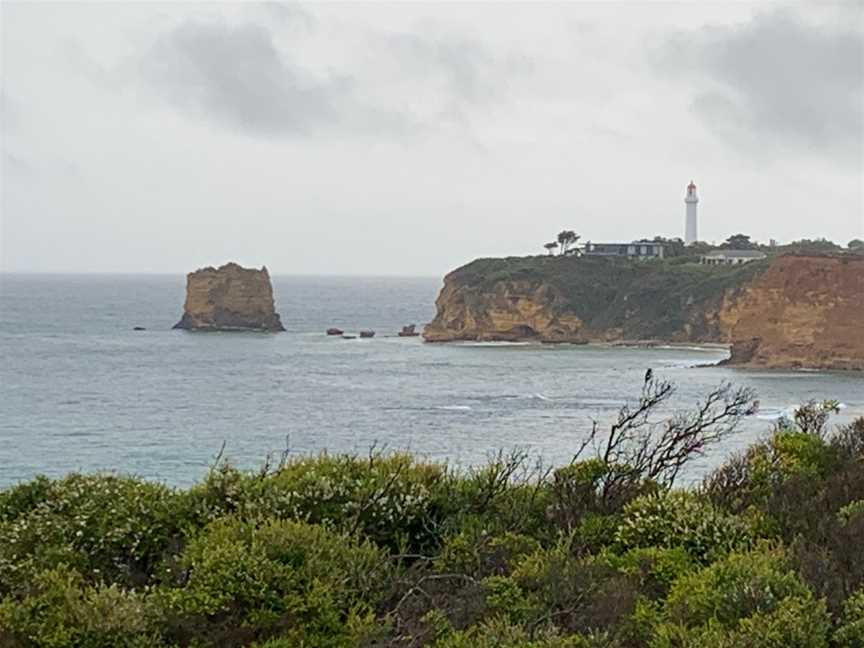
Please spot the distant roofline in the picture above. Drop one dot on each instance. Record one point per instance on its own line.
(640, 242)
(735, 253)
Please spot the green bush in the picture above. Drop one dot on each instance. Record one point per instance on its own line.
(108, 528)
(850, 633)
(655, 568)
(476, 553)
(681, 519)
(747, 599)
(59, 610)
(244, 581)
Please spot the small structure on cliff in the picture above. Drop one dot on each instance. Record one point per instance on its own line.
(229, 298)
(731, 257)
(643, 249)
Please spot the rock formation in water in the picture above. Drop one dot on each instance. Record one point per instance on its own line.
(229, 298)
(803, 312)
(794, 311)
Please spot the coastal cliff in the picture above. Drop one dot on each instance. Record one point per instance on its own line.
(802, 312)
(229, 298)
(794, 311)
(587, 299)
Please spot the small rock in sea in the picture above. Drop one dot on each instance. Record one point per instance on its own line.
(349, 337)
(367, 334)
(334, 331)
(408, 331)
(138, 328)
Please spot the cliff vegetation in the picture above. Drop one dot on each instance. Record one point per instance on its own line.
(581, 299)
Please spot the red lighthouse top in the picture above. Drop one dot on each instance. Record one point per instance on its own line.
(691, 187)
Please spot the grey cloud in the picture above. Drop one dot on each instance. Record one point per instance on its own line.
(777, 82)
(471, 73)
(236, 75)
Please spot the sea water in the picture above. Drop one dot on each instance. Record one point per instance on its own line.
(80, 390)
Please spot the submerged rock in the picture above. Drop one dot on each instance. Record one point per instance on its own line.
(229, 298)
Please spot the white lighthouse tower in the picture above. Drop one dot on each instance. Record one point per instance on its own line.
(691, 233)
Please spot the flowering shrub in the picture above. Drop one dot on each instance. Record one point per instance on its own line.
(107, 527)
(388, 551)
(681, 519)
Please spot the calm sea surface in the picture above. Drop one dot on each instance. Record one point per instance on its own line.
(81, 391)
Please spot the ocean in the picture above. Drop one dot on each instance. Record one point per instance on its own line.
(80, 390)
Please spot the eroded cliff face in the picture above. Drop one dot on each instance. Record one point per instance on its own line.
(229, 298)
(803, 312)
(582, 300)
(794, 311)
(511, 311)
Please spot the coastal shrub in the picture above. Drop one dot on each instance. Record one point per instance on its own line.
(654, 568)
(792, 623)
(24, 497)
(58, 609)
(393, 500)
(109, 528)
(797, 450)
(504, 495)
(681, 519)
(751, 599)
(388, 551)
(591, 489)
(850, 633)
(242, 581)
(578, 594)
(499, 632)
(477, 553)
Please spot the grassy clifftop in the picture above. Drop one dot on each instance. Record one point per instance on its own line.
(612, 298)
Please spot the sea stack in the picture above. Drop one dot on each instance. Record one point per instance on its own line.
(229, 298)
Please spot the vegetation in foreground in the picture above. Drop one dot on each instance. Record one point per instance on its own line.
(385, 550)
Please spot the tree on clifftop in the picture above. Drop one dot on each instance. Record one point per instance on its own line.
(739, 242)
(550, 247)
(566, 238)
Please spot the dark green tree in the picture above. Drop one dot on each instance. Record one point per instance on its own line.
(566, 238)
(739, 242)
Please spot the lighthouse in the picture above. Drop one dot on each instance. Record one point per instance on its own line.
(691, 234)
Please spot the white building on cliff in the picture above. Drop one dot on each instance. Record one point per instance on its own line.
(691, 232)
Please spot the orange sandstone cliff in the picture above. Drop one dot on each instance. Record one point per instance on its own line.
(586, 299)
(229, 298)
(792, 311)
(804, 311)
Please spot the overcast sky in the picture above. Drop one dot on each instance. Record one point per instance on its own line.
(408, 139)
